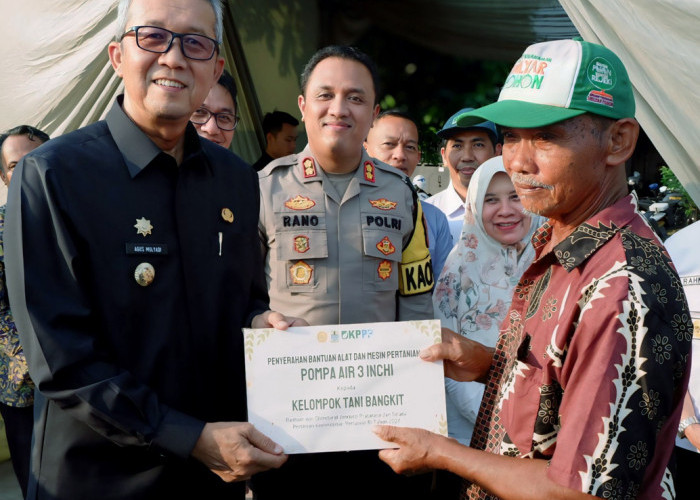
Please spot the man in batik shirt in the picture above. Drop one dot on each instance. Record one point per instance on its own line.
(585, 388)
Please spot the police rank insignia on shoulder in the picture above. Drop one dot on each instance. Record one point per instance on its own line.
(299, 202)
(301, 273)
(309, 167)
(384, 269)
(385, 246)
(383, 204)
(369, 171)
(143, 226)
(301, 243)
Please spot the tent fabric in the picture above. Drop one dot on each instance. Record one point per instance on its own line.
(658, 42)
(56, 74)
(493, 30)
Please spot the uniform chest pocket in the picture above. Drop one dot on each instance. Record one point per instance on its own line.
(301, 256)
(382, 257)
(303, 243)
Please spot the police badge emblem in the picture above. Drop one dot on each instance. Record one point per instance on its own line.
(301, 243)
(385, 246)
(300, 273)
(299, 202)
(383, 204)
(384, 269)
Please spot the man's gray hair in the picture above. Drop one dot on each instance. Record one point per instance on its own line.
(123, 10)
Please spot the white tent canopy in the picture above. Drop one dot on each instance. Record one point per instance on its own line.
(56, 74)
(658, 42)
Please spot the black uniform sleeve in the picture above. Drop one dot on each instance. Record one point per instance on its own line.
(259, 301)
(67, 357)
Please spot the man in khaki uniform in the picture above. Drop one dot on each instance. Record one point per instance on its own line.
(341, 246)
(335, 223)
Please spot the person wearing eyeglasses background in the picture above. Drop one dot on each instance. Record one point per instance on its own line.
(132, 265)
(216, 118)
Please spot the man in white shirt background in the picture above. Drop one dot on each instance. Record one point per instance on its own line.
(463, 150)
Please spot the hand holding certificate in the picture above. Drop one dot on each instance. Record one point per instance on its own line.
(322, 388)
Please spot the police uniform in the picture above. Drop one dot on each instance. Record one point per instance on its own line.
(333, 260)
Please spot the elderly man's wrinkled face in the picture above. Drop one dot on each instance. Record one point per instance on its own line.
(557, 170)
(165, 88)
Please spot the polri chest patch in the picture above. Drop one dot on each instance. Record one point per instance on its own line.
(299, 202)
(385, 246)
(301, 244)
(383, 204)
(300, 272)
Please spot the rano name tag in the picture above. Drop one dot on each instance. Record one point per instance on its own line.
(340, 381)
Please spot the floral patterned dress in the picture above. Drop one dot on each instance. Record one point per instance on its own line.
(16, 388)
(473, 293)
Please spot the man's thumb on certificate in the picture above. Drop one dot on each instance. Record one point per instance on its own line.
(236, 450)
(274, 319)
(413, 452)
(465, 359)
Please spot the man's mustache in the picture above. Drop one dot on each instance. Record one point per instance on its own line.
(517, 178)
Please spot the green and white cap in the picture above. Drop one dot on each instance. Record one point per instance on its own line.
(555, 81)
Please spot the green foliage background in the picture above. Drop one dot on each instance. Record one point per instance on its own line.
(429, 86)
(669, 180)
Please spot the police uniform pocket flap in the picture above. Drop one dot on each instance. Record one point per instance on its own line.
(382, 244)
(302, 244)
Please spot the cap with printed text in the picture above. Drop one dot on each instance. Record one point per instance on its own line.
(558, 80)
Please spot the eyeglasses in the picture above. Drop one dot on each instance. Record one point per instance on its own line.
(159, 40)
(225, 121)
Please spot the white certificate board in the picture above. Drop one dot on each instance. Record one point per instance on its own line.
(322, 388)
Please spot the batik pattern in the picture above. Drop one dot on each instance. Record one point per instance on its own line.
(590, 368)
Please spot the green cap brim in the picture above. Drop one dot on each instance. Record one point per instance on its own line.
(517, 114)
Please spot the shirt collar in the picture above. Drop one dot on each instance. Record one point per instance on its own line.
(591, 235)
(364, 173)
(137, 149)
(454, 205)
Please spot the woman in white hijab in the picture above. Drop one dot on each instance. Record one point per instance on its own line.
(473, 293)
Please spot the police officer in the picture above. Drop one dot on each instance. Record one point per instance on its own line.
(342, 246)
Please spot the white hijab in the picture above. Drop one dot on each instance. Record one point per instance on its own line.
(473, 293)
